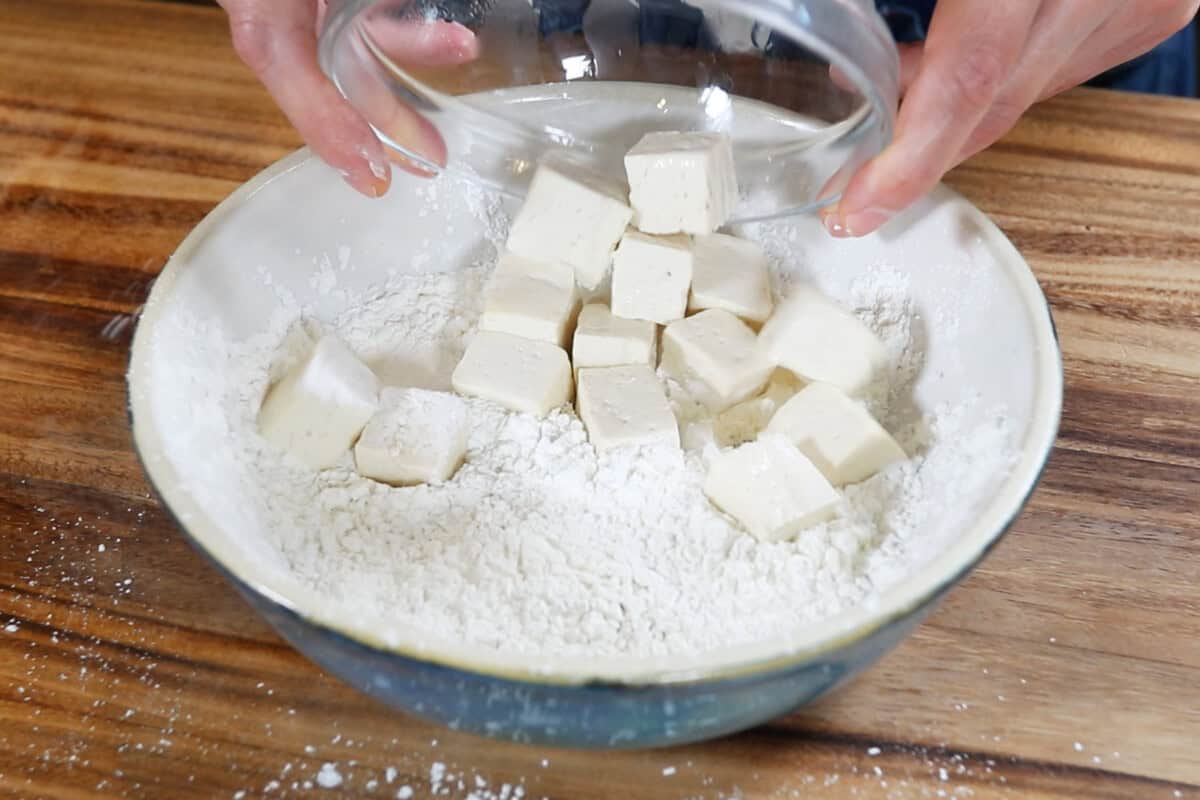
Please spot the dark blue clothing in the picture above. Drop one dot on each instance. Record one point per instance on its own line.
(1169, 68)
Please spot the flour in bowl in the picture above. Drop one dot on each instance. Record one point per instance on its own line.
(540, 546)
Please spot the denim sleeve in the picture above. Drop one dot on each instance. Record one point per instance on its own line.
(1170, 68)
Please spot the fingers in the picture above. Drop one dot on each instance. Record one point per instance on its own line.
(424, 43)
(1132, 30)
(1058, 31)
(910, 63)
(277, 40)
(973, 46)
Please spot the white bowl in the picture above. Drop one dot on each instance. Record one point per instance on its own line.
(1002, 351)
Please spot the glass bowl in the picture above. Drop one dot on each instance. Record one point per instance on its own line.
(806, 90)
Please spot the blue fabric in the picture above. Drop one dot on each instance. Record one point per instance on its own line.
(1168, 69)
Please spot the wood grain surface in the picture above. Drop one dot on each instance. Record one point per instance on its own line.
(1066, 666)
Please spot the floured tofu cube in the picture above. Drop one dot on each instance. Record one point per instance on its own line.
(572, 217)
(837, 434)
(730, 273)
(681, 182)
(321, 405)
(720, 351)
(625, 406)
(744, 421)
(518, 373)
(770, 488)
(512, 265)
(820, 340)
(605, 340)
(531, 300)
(416, 436)
(651, 277)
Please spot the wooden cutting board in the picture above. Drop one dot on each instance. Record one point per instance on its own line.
(1066, 666)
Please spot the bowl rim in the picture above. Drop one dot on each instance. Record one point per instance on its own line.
(900, 600)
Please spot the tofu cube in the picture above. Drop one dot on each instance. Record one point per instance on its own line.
(770, 488)
(511, 265)
(681, 182)
(837, 434)
(416, 436)
(319, 407)
(819, 340)
(730, 273)
(530, 300)
(570, 217)
(520, 374)
(604, 340)
(625, 406)
(651, 277)
(720, 351)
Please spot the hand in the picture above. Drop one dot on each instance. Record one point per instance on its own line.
(278, 40)
(984, 63)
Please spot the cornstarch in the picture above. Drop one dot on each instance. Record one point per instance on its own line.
(538, 545)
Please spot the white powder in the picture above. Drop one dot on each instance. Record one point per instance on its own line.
(329, 777)
(540, 546)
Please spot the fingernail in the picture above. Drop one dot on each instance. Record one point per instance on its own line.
(367, 183)
(833, 223)
(860, 223)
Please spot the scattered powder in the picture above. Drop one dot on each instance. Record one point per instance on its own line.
(539, 545)
(329, 777)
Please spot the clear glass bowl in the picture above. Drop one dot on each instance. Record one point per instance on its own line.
(806, 90)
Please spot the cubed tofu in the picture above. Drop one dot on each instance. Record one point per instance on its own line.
(605, 340)
(681, 182)
(820, 340)
(416, 436)
(720, 351)
(317, 410)
(518, 373)
(744, 421)
(512, 265)
(837, 434)
(625, 406)
(651, 277)
(730, 273)
(532, 300)
(770, 488)
(570, 217)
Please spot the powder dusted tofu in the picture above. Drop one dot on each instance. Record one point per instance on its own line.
(571, 217)
(520, 374)
(770, 488)
(721, 352)
(531, 300)
(837, 434)
(416, 436)
(605, 340)
(625, 406)
(320, 406)
(820, 340)
(730, 273)
(681, 182)
(744, 421)
(652, 276)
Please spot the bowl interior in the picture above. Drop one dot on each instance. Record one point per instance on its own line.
(828, 70)
(296, 241)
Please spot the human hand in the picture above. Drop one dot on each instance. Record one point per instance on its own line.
(984, 64)
(277, 39)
